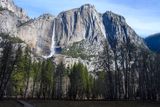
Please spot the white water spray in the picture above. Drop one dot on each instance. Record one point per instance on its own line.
(52, 49)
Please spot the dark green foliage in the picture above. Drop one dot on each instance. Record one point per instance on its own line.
(46, 79)
(59, 75)
(21, 74)
(42, 74)
(75, 51)
(81, 82)
(17, 77)
(8, 61)
(1, 8)
(11, 39)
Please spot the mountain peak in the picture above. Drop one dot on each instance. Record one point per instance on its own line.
(9, 5)
(154, 35)
(153, 42)
(114, 16)
(46, 16)
(86, 6)
(6, 3)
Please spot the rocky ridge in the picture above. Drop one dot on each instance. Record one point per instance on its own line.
(19, 12)
(153, 42)
(83, 28)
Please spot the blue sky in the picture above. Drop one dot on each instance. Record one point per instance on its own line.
(142, 15)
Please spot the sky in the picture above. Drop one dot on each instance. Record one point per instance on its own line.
(142, 15)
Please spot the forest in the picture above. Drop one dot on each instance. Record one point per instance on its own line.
(127, 73)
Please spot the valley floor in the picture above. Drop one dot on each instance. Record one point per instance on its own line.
(51, 103)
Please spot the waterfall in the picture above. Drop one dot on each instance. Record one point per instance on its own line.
(52, 49)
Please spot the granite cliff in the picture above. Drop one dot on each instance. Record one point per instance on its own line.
(76, 34)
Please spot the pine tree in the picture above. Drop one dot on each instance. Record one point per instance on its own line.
(60, 71)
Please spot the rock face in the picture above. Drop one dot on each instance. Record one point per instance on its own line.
(8, 22)
(118, 31)
(153, 42)
(85, 23)
(9, 5)
(38, 33)
(82, 28)
(78, 24)
(11, 17)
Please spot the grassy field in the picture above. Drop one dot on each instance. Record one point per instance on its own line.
(41, 103)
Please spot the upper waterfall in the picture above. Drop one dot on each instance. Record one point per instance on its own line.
(52, 49)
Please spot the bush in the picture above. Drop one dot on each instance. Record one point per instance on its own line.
(75, 51)
(1, 9)
(11, 39)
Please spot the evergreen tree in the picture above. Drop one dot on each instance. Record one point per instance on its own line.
(8, 61)
(60, 72)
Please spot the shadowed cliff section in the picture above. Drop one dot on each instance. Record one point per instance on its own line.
(153, 42)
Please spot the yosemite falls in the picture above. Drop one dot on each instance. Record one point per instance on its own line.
(52, 49)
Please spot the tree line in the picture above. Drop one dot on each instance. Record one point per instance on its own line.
(130, 72)
(127, 73)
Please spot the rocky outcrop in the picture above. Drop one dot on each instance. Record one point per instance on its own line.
(69, 61)
(19, 12)
(37, 33)
(11, 17)
(78, 24)
(8, 22)
(118, 31)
